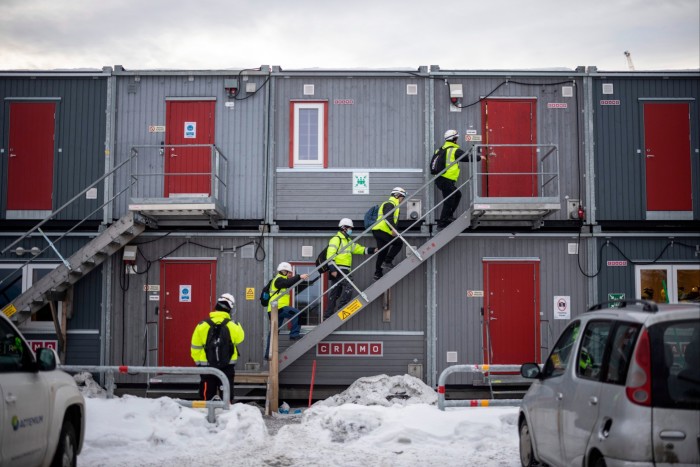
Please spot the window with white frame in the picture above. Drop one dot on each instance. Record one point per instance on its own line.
(310, 298)
(668, 283)
(308, 141)
(15, 281)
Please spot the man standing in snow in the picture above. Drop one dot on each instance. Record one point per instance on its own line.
(214, 342)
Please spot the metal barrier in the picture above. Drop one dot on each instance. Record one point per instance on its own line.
(442, 403)
(180, 370)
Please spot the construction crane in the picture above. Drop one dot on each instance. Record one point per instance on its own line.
(630, 65)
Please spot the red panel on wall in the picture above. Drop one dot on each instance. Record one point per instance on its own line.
(509, 121)
(188, 294)
(511, 312)
(187, 123)
(667, 154)
(31, 154)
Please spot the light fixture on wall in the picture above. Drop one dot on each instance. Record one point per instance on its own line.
(231, 87)
(20, 251)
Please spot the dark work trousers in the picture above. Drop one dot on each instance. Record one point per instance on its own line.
(385, 254)
(340, 295)
(210, 385)
(285, 313)
(447, 187)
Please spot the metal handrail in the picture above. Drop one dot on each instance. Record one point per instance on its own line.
(442, 403)
(369, 229)
(65, 205)
(176, 370)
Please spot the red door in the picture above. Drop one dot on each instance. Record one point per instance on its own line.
(188, 294)
(188, 169)
(667, 151)
(509, 121)
(511, 312)
(30, 166)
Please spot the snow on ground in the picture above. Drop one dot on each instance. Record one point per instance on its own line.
(377, 421)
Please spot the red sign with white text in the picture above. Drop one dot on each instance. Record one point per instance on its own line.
(350, 349)
(47, 344)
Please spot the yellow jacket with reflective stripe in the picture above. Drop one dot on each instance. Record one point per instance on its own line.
(199, 337)
(452, 173)
(383, 226)
(282, 301)
(337, 243)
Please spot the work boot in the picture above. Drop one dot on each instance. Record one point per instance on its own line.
(378, 275)
(295, 338)
(388, 265)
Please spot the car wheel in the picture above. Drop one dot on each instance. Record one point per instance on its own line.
(66, 455)
(600, 462)
(527, 457)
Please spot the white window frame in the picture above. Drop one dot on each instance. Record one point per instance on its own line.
(671, 273)
(30, 326)
(320, 137)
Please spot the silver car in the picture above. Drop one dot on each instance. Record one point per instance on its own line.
(620, 387)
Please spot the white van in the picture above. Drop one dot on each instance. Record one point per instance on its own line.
(42, 413)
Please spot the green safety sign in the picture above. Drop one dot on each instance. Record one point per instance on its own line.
(614, 297)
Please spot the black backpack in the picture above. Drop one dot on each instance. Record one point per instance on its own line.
(437, 163)
(321, 258)
(219, 348)
(371, 216)
(265, 294)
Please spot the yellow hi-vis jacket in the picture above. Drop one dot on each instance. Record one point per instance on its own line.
(199, 337)
(337, 243)
(452, 173)
(383, 226)
(274, 291)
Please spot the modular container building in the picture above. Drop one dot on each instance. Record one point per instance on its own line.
(236, 171)
(53, 128)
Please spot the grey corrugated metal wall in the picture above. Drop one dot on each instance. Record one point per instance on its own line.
(383, 128)
(559, 126)
(80, 135)
(621, 279)
(460, 268)
(239, 133)
(134, 320)
(619, 133)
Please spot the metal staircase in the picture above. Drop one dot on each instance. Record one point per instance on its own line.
(54, 285)
(373, 292)
(480, 210)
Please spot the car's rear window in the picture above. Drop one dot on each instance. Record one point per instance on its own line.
(675, 364)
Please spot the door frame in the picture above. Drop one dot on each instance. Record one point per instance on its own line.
(486, 337)
(666, 215)
(168, 179)
(212, 261)
(31, 213)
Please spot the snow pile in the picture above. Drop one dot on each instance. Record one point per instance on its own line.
(88, 386)
(385, 391)
(381, 420)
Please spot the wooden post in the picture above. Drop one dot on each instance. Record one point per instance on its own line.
(386, 306)
(273, 393)
(59, 332)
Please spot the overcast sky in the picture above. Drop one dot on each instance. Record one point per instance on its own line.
(461, 35)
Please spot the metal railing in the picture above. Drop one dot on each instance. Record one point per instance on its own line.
(211, 405)
(547, 174)
(51, 245)
(400, 235)
(442, 403)
(214, 181)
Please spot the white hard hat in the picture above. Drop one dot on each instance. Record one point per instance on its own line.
(399, 191)
(284, 266)
(345, 222)
(450, 134)
(226, 301)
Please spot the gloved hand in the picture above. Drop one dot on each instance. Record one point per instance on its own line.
(371, 250)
